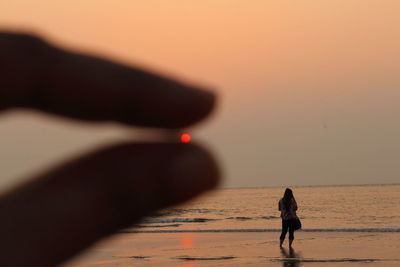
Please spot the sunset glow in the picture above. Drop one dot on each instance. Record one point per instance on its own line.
(282, 70)
(187, 240)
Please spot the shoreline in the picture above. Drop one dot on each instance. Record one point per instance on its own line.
(242, 249)
(263, 230)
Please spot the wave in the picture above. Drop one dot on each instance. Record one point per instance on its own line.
(242, 218)
(317, 230)
(201, 220)
(185, 258)
(158, 226)
(178, 220)
(180, 212)
(355, 230)
(297, 260)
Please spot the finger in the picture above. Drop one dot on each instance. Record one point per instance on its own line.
(66, 210)
(38, 75)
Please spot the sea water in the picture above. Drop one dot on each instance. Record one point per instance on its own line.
(347, 226)
(368, 208)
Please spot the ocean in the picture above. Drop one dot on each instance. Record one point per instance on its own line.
(345, 226)
(367, 208)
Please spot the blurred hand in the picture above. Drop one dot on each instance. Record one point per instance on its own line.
(63, 211)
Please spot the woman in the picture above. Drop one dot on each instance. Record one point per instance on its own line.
(288, 207)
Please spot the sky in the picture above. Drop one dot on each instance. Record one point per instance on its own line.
(308, 90)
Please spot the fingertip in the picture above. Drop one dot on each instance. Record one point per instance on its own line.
(98, 194)
(41, 76)
(172, 105)
(156, 175)
(192, 172)
(199, 104)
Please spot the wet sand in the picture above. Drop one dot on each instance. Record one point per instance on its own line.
(243, 249)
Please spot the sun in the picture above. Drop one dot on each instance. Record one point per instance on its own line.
(185, 137)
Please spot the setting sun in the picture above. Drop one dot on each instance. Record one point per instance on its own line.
(185, 138)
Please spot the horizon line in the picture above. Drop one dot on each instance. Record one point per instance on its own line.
(297, 186)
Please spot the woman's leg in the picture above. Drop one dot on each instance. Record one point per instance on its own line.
(285, 227)
(291, 232)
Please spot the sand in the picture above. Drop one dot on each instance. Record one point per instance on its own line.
(243, 249)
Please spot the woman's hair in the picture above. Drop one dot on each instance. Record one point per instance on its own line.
(287, 198)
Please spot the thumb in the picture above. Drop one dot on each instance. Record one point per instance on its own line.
(64, 211)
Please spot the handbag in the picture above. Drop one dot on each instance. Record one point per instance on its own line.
(297, 224)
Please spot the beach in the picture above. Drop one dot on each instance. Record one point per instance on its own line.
(342, 226)
(243, 249)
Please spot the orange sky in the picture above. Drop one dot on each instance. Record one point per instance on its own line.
(309, 88)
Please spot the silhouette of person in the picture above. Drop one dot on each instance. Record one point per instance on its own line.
(288, 207)
(57, 214)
